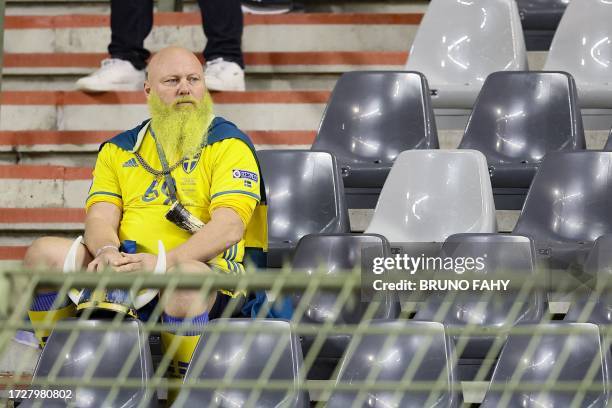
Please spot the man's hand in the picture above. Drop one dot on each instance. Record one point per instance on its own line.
(136, 262)
(108, 258)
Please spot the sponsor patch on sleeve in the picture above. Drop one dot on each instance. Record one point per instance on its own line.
(244, 174)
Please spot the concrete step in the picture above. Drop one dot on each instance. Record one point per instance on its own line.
(57, 110)
(74, 148)
(59, 7)
(265, 70)
(309, 32)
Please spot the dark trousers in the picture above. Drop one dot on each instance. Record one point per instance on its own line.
(132, 21)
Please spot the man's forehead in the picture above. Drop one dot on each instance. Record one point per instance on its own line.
(174, 63)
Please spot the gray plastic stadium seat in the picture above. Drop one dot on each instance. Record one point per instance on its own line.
(518, 118)
(541, 14)
(568, 205)
(367, 354)
(305, 196)
(540, 19)
(244, 356)
(459, 43)
(334, 254)
(370, 118)
(585, 50)
(431, 194)
(506, 254)
(596, 306)
(77, 360)
(582, 347)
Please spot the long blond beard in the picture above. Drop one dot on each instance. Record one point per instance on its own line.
(180, 130)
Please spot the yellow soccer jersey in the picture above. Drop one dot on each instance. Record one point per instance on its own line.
(225, 174)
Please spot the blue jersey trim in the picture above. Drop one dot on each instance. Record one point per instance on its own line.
(255, 196)
(104, 193)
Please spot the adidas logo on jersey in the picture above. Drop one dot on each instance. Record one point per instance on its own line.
(130, 163)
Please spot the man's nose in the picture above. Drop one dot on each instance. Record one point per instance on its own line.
(183, 88)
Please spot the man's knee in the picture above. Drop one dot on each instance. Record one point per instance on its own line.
(189, 302)
(50, 252)
(43, 253)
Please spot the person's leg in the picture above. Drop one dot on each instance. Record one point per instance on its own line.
(184, 307)
(223, 23)
(49, 253)
(131, 22)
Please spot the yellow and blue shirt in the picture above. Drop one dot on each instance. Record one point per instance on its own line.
(224, 174)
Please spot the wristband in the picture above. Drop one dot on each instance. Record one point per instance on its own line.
(100, 250)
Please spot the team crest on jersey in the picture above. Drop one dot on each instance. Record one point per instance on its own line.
(189, 165)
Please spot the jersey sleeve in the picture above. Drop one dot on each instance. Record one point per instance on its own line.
(105, 185)
(235, 178)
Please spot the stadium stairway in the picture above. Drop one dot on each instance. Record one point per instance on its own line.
(49, 133)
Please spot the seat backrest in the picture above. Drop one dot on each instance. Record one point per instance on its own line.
(305, 194)
(569, 199)
(520, 116)
(376, 115)
(334, 254)
(541, 14)
(431, 194)
(534, 356)
(495, 257)
(422, 350)
(242, 352)
(464, 41)
(583, 50)
(108, 350)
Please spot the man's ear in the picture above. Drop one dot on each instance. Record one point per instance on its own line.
(147, 88)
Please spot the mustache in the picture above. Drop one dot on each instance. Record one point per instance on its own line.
(186, 99)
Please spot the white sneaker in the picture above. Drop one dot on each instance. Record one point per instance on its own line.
(221, 75)
(114, 75)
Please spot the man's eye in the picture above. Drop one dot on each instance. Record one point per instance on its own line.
(193, 80)
(171, 81)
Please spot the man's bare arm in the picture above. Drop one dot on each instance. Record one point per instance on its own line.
(224, 229)
(102, 226)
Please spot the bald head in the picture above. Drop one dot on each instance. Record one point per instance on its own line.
(173, 73)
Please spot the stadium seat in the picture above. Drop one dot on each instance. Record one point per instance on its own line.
(235, 354)
(505, 254)
(424, 348)
(540, 19)
(541, 14)
(334, 254)
(594, 307)
(540, 354)
(115, 347)
(431, 194)
(608, 146)
(370, 118)
(585, 50)
(459, 43)
(568, 206)
(305, 196)
(518, 118)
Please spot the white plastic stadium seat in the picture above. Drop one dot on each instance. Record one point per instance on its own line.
(431, 194)
(582, 46)
(459, 43)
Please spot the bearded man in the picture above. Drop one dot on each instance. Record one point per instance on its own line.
(184, 159)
